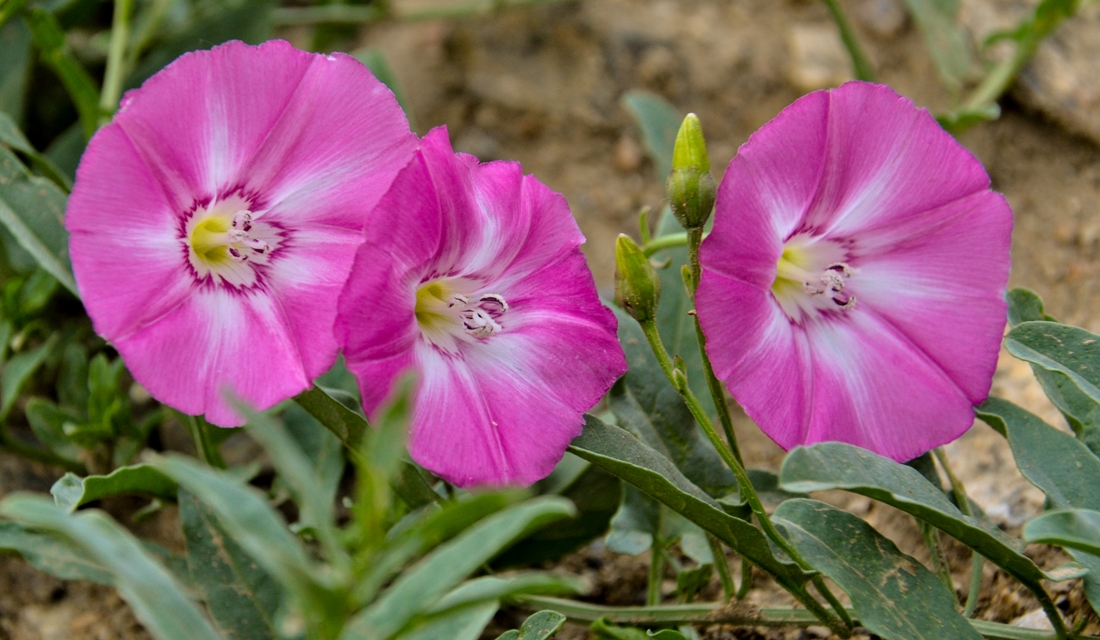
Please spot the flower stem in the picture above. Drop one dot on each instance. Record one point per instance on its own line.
(205, 449)
(963, 502)
(748, 493)
(723, 566)
(717, 392)
(669, 241)
(861, 65)
(717, 613)
(116, 59)
(746, 579)
(656, 565)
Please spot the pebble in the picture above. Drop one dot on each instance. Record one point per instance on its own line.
(818, 59)
(628, 155)
(883, 18)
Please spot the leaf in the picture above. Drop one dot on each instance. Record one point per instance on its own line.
(461, 624)
(893, 594)
(11, 136)
(247, 517)
(636, 523)
(1081, 412)
(71, 491)
(32, 209)
(156, 598)
(491, 588)
(18, 370)
(15, 51)
(659, 122)
(51, 554)
(1071, 351)
(539, 626)
(241, 597)
(350, 428)
(49, 38)
(946, 41)
(1057, 463)
(247, 20)
(621, 453)
(835, 465)
(1074, 529)
(595, 493)
(320, 447)
(420, 587)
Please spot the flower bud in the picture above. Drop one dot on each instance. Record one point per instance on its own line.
(637, 287)
(690, 187)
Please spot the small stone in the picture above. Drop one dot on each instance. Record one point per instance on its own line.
(883, 18)
(477, 142)
(818, 59)
(1033, 620)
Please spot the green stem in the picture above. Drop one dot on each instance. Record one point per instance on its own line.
(939, 563)
(11, 445)
(748, 493)
(656, 568)
(861, 64)
(669, 241)
(116, 58)
(963, 502)
(723, 566)
(719, 613)
(717, 391)
(205, 450)
(746, 579)
(8, 9)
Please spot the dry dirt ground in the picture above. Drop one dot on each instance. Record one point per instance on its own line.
(543, 86)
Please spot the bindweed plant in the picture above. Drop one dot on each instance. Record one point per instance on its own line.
(251, 212)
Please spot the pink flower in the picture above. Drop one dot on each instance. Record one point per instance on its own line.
(853, 287)
(215, 219)
(472, 276)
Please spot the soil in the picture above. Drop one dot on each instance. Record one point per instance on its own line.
(542, 85)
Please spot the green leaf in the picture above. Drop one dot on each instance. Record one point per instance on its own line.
(604, 629)
(594, 492)
(539, 626)
(18, 370)
(302, 478)
(491, 588)
(350, 428)
(461, 624)
(11, 136)
(51, 554)
(375, 60)
(946, 41)
(71, 491)
(15, 51)
(1073, 528)
(32, 209)
(321, 448)
(247, 517)
(246, 20)
(835, 465)
(621, 453)
(156, 598)
(1071, 351)
(893, 594)
(1081, 412)
(419, 588)
(49, 38)
(636, 524)
(241, 597)
(659, 122)
(1057, 463)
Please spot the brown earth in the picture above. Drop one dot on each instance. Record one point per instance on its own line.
(542, 86)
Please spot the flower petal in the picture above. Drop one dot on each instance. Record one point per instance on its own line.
(765, 192)
(885, 160)
(217, 341)
(874, 389)
(939, 279)
(123, 231)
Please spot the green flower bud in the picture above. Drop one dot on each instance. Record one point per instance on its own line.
(690, 187)
(637, 287)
